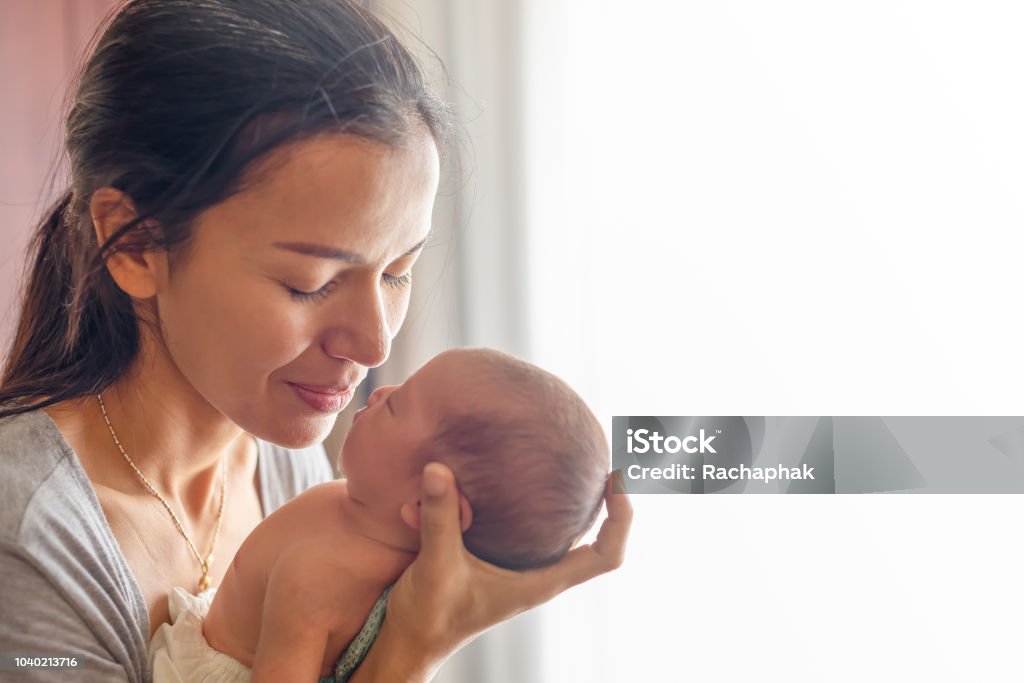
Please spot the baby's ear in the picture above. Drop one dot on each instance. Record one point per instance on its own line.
(410, 513)
(465, 513)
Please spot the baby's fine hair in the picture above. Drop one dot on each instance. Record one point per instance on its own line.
(532, 464)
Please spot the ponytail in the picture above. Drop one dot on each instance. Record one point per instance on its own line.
(76, 330)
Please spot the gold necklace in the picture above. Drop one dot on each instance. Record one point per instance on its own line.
(204, 564)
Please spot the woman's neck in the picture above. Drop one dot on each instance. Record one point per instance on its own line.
(171, 433)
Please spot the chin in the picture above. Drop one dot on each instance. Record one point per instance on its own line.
(292, 433)
(303, 433)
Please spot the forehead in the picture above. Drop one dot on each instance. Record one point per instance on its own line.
(335, 190)
(454, 381)
(435, 380)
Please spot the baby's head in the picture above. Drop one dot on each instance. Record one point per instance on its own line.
(526, 451)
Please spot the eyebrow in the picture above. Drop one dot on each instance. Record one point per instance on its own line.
(322, 251)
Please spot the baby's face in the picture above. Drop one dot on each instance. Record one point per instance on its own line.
(377, 457)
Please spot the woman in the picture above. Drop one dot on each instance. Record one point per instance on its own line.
(251, 184)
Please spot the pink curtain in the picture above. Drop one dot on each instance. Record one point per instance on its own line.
(41, 44)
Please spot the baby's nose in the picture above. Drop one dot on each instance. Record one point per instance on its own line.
(378, 394)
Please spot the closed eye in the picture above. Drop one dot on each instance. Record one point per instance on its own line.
(306, 297)
(396, 281)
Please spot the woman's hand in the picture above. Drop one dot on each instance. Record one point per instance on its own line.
(447, 596)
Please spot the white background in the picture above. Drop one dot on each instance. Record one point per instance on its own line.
(785, 208)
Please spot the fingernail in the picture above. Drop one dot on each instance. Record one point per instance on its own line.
(618, 483)
(434, 482)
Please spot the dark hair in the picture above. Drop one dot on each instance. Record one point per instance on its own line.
(178, 98)
(533, 465)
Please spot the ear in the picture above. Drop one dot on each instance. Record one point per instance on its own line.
(140, 275)
(465, 513)
(410, 513)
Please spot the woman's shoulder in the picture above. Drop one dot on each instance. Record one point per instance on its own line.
(286, 472)
(47, 504)
(36, 462)
(65, 581)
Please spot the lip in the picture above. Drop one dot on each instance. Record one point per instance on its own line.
(331, 398)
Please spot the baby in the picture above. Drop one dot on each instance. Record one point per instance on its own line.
(527, 453)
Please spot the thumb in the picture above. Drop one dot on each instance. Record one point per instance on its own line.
(440, 528)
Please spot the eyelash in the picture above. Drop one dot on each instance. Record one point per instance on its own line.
(308, 297)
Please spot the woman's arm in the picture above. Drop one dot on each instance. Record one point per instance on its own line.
(447, 597)
(39, 620)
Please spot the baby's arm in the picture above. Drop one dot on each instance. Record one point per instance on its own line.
(297, 619)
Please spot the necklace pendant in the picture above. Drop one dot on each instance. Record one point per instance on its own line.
(204, 582)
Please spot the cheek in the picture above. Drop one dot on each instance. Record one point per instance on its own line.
(195, 322)
(397, 305)
(276, 335)
(230, 334)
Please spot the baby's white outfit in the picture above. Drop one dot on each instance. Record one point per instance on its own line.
(178, 651)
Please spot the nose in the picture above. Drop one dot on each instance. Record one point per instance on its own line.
(379, 394)
(359, 329)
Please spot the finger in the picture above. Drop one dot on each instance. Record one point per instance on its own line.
(614, 533)
(440, 530)
(620, 515)
(605, 554)
(616, 483)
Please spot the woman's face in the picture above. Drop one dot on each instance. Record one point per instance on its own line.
(292, 288)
